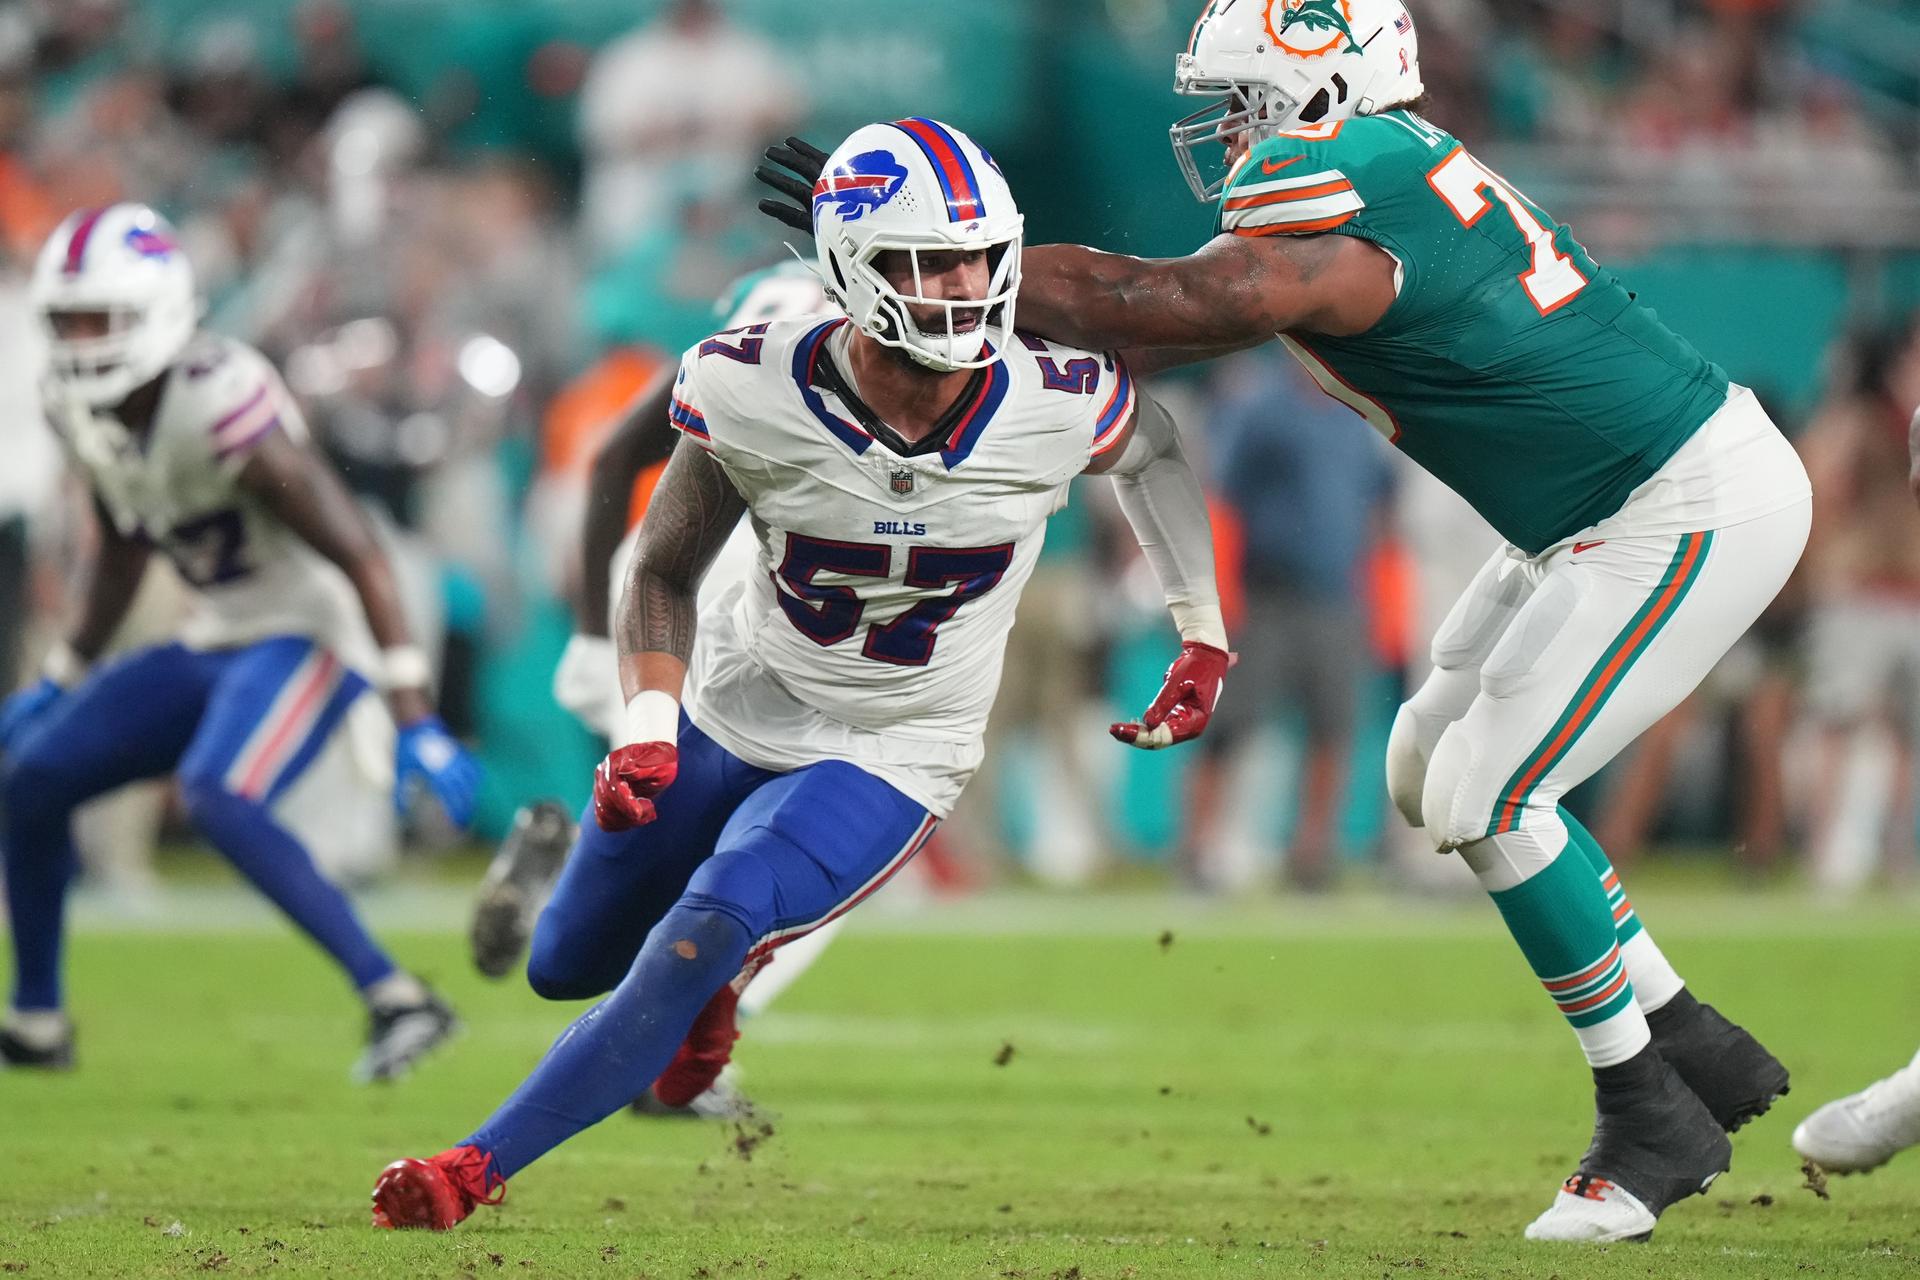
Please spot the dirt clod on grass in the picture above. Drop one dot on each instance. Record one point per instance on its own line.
(1005, 1055)
(749, 1132)
(1260, 1127)
(1816, 1179)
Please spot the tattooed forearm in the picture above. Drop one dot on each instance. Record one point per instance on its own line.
(693, 510)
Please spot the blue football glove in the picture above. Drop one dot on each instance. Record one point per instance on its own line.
(21, 709)
(433, 757)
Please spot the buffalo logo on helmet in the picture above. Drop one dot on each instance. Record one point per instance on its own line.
(863, 183)
(1313, 28)
(150, 242)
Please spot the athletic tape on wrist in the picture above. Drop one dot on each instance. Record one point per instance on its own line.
(63, 666)
(1201, 623)
(405, 666)
(653, 716)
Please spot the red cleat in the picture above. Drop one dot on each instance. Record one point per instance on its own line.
(438, 1193)
(704, 1054)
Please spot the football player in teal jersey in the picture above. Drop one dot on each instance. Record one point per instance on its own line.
(1650, 508)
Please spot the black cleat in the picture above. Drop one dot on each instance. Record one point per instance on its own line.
(18, 1054)
(1731, 1071)
(400, 1035)
(1654, 1144)
(517, 885)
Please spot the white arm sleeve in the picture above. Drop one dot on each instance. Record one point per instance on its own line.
(1161, 498)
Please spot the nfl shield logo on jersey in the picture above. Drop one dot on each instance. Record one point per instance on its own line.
(901, 480)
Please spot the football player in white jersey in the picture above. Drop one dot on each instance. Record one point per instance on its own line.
(192, 445)
(898, 464)
(587, 683)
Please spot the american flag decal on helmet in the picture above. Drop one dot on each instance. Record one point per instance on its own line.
(1403, 23)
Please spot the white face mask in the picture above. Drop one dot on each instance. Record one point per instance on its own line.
(972, 333)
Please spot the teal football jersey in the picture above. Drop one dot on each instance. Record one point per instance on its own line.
(1512, 366)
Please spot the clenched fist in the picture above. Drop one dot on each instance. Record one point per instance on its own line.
(627, 780)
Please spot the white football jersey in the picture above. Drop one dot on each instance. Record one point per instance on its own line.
(177, 488)
(873, 626)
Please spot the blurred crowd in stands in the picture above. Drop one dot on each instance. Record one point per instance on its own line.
(465, 298)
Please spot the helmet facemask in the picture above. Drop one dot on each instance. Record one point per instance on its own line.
(971, 333)
(1247, 112)
(99, 363)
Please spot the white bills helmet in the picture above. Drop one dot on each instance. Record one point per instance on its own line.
(1276, 65)
(916, 186)
(123, 262)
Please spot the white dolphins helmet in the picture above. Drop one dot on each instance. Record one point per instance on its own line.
(917, 186)
(1277, 65)
(122, 261)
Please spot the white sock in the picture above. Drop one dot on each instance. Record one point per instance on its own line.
(1654, 980)
(398, 990)
(39, 1028)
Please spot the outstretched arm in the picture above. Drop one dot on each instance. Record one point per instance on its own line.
(1163, 502)
(643, 438)
(1237, 290)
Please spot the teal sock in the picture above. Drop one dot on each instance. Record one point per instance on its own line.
(1625, 923)
(1562, 922)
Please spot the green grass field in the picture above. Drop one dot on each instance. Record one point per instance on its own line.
(1357, 1088)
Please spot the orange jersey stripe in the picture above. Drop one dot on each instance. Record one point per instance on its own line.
(1289, 195)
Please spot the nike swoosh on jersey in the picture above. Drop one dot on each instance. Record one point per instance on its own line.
(1268, 166)
(1578, 547)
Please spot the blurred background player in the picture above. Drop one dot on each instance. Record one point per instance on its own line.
(1863, 634)
(899, 469)
(1864, 1130)
(1465, 325)
(1312, 497)
(192, 445)
(626, 467)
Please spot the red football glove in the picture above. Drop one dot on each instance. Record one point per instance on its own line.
(627, 780)
(1186, 699)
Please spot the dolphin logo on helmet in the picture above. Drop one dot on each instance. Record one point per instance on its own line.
(1321, 62)
(1313, 15)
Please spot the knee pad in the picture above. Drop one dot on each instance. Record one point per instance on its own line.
(34, 786)
(1407, 749)
(559, 970)
(1417, 730)
(739, 884)
(1447, 809)
(200, 794)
